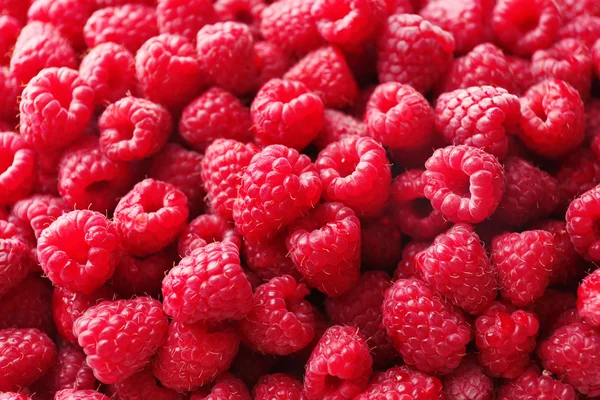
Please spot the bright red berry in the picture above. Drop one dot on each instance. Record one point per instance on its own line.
(184, 17)
(407, 267)
(16, 167)
(278, 387)
(206, 229)
(226, 387)
(74, 394)
(581, 218)
(269, 257)
(141, 385)
(588, 298)
(9, 32)
(270, 60)
(468, 382)
(403, 382)
(68, 16)
(248, 12)
(584, 27)
(39, 211)
(336, 126)
(531, 386)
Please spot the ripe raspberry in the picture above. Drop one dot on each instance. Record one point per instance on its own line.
(468, 382)
(270, 61)
(585, 28)
(17, 161)
(221, 171)
(183, 17)
(9, 92)
(245, 11)
(407, 267)
(215, 114)
(381, 244)
(269, 258)
(578, 173)
(336, 126)
(264, 206)
(25, 356)
(340, 365)
(596, 58)
(139, 386)
(413, 51)
(531, 386)
(13, 396)
(206, 229)
(194, 354)
(278, 387)
(141, 276)
(27, 305)
(464, 183)
(588, 300)
(456, 266)
(286, 112)
(112, 3)
(226, 387)
(325, 247)
(9, 32)
(403, 382)
(356, 172)
(150, 217)
(520, 68)
(68, 16)
(56, 106)
(574, 8)
(71, 394)
(129, 25)
(523, 262)
(39, 211)
(581, 218)
(399, 117)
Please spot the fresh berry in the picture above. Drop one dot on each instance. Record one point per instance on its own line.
(278, 387)
(28, 305)
(39, 211)
(520, 68)
(531, 386)
(588, 299)
(380, 243)
(582, 217)
(13, 396)
(183, 17)
(576, 174)
(248, 12)
(141, 276)
(17, 161)
(336, 126)
(574, 8)
(403, 382)
(140, 386)
(9, 93)
(206, 229)
(407, 267)
(270, 61)
(9, 32)
(15, 257)
(73, 394)
(226, 387)
(269, 257)
(468, 382)
(584, 27)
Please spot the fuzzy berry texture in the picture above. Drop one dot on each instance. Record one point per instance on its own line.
(588, 299)
(269, 257)
(185, 18)
(407, 266)
(278, 387)
(468, 382)
(568, 266)
(532, 385)
(581, 218)
(139, 386)
(403, 382)
(336, 126)
(38, 211)
(206, 229)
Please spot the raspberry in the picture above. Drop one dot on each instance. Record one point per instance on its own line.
(574, 8)
(530, 385)
(206, 229)
(403, 382)
(9, 92)
(411, 211)
(226, 55)
(581, 218)
(290, 25)
(39, 211)
(585, 28)
(278, 387)
(399, 117)
(286, 112)
(479, 116)
(185, 18)
(325, 247)
(139, 386)
(209, 284)
(588, 301)
(109, 69)
(468, 382)
(15, 8)
(270, 61)
(150, 217)
(340, 365)
(112, 3)
(16, 167)
(129, 25)
(39, 46)
(13, 396)
(168, 71)
(216, 114)
(413, 51)
(530, 193)
(523, 262)
(577, 173)
(269, 257)
(226, 387)
(56, 106)
(407, 267)
(520, 68)
(194, 354)
(381, 244)
(464, 183)
(67, 306)
(336, 126)
(456, 266)
(27, 305)
(356, 172)
(245, 11)
(25, 356)
(47, 172)
(141, 277)
(221, 171)
(264, 206)
(596, 58)
(419, 323)
(524, 26)
(71, 394)
(401, 6)
(550, 306)
(105, 332)
(281, 321)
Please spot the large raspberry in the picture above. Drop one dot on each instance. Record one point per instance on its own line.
(205, 229)
(531, 386)
(27, 305)
(17, 161)
(142, 276)
(380, 243)
(582, 217)
(278, 387)
(403, 382)
(141, 386)
(184, 17)
(468, 382)
(336, 126)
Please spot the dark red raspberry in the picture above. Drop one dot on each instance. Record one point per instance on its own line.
(15, 257)
(9, 92)
(286, 112)
(264, 205)
(588, 301)
(73, 394)
(419, 322)
(523, 262)
(17, 162)
(520, 68)
(531, 386)
(56, 106)
(578, 173)
(226, 387)
(26, 355)
(206, 229)
(250, 365)
(278, 387)
(184, 17)
(584, 27)
(399, 117)
(28, 305)
(150, 217)
(68, 16)
(141, 276)
(356, 172)
(168, 71)
(582, 217)
(216, 114)
(139, 386)
(550, 307)
(129, 25)
(269, 258)
(221, 170)
(407, 267)
(270, 61)
(336, 126)
(339, 367)
(468, 382)
(39, 211)
(381, 244)
(325, 247)
(463, 182)
(413, 51)
(208, 285)
(9, 32)
(109, 69)
(403, 382)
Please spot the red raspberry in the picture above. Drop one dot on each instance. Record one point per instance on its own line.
(109, 69)
(71, 394)
(9, 31)
(468, 382)
(27, 305)
(221, 171)
(168, 71)
(464, 183)
(407, 267)
(129, 25)
(184, 17)
(39, 211)
(550, 307)
(47, 172)
(531, 386)
(413, 51)
(25, 356)
(270, 61)
(13, 396)
(150, 217)
(209, 284)
(268, 258)
(356, 172)
(206, 229)
(575, 8)
(588, 300)
(56, 106)
(419, 323)
(141, 276)
(194, 354)
(278, 387)
(226, 387)
(479, 116)
(336, 126)
(215, 114)
(264, 206)
(381, 244)
(281, 321)
(523, 262)
(585, 28)
(68, 16)
(9, 92)
(596, 58)
(112, 3)
(520, 68)
(339, 367)
(399, 117)
(456, 266)
(578, 173)
(17, 161)
(403, 382)
(325, 247)
(402, 6)
(581, 218)
(286, 112)
(524, 26)
(139, 386)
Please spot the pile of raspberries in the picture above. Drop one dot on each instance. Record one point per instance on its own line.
(299, 199)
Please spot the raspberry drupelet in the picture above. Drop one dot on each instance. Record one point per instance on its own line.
(184, 17)
(582, 218)
(584, 28)
(404, 382)
(531, 385)
(206, 229)
(15, 257)
(468, 382)
(278, 387)
(141, 276)
(17, 162)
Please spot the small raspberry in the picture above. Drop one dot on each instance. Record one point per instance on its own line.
(139, 386)
(520, 68)
(27, 305)
(356, 172)
(226, 387)
(531, 386)
(381, 244)
(9, 32)
(278, 387)
(216, 114)
(582, 217)
(468, 382)
(339, 367)
(73, 394)
(464, 183)
(336, 126)
(9, 93)
(269, 257)
(585, 28)
(407, 267)
(270, 61)
(403, 382)
(39, 211)
(184, 17)
(577, 173)
(141, 276)
(206, 229)
(325, 247)
(15, 257)
(17, 162)
(413, 51)
(588, 299)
